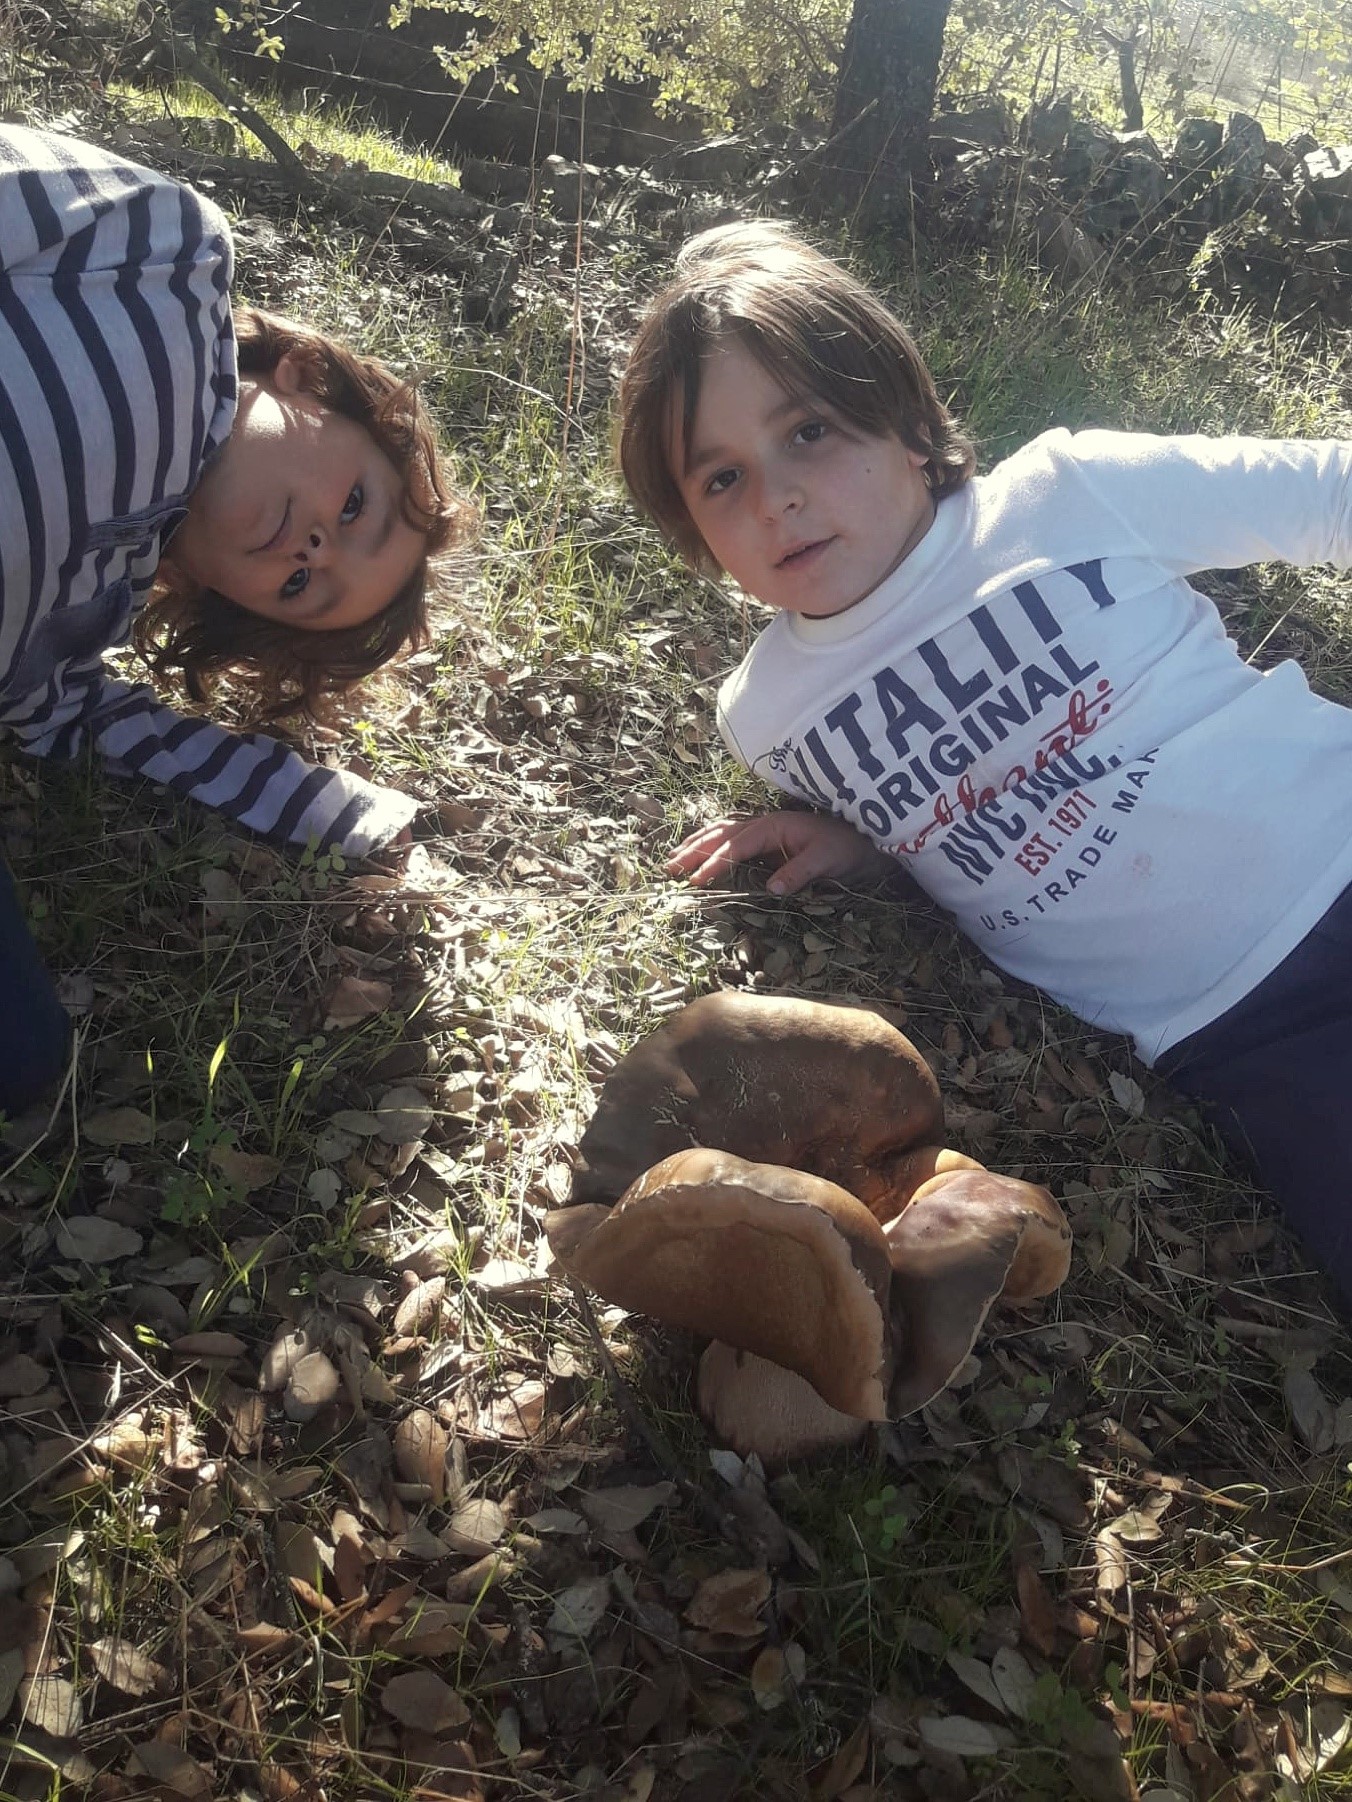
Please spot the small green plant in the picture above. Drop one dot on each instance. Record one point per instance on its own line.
(889, 1518)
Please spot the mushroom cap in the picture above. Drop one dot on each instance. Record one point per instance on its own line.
(906, 1173)
(965, 1240)
(833, 1090)
(769, 1260)
(755, 1406)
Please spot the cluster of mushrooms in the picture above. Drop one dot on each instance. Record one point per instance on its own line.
(770, 1173)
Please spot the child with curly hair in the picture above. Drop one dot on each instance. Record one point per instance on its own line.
(234, 493)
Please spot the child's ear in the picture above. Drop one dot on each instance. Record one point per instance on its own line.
(288, 374)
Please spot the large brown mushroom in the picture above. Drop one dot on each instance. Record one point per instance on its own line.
(771, 1260)
(966, 1239)
(831, 1302)
(837, 1091)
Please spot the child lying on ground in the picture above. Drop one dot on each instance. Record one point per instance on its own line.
(1007, 683)
(237, 494)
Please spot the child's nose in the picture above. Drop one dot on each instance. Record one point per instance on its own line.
(780, 493)
(317, 547)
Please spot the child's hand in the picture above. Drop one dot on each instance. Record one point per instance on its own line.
(807, 845)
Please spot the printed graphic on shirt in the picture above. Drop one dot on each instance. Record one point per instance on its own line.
(982, 753)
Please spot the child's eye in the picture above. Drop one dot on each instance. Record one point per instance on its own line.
(812, 431)
(296, 583)
(720, 482)
(352, 506)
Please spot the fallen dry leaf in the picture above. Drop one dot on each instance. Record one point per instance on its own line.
(312, 1385)
(403, 1115)
(1037, 1612)
(429, 1630)
(475, 1527)
(119, 1126)
(281, 1358)
(247, 1171)
(624, 1506)
(578, 1608)
(960, 1736)
(1111, 1559)
(420, 1447)
(844, 1767)
(355, 998)
(1311, 1410)
(172, 1769)
(420, 1699)
(730, 1602)
(95, 1241)
(519, 1414)
(420, 1307)
(22, 1375)
(127, 1668)
(11, 1676)
(777, 1672)
(51, 1704)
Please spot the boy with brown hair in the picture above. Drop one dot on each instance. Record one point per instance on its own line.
(1007, 683)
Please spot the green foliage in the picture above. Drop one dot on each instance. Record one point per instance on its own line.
(724, 60)
(248, 19)
(758, 61)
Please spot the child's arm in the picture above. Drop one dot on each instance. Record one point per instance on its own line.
(808, 847)
(248, 777)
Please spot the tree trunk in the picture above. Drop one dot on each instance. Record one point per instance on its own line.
(885, 91)
(1133, 116)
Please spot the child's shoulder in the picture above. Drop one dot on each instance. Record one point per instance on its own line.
(1098, 449)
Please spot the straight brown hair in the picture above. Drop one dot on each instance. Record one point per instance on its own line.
(811, 324)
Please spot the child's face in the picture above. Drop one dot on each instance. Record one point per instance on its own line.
(802, 509)
(300, 517)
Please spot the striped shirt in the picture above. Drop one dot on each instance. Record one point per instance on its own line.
(117, 385)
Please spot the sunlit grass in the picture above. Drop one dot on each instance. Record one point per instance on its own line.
(331, 127)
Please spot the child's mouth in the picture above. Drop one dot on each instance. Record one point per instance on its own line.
(797, 557)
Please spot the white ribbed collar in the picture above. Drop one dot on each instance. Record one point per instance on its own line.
(950, 524)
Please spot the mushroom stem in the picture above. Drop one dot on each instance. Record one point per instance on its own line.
(755, 1406)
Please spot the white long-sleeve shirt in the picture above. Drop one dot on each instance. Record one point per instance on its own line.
(117, 385)
(1048, 725)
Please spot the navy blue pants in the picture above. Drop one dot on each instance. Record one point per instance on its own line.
(34, 1028)
(1274, 1074)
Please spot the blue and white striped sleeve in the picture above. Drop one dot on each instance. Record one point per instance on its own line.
(248, 777)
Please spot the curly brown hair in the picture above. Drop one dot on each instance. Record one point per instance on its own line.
(188, 630)
(816, 329)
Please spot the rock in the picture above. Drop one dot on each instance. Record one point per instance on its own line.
(1046, 125)
(982, 125)
(281, 1358)
(714, 162)
(1198, 143)
(572, 185)
(496, 181)
(1087, 147)
(1242, 162)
